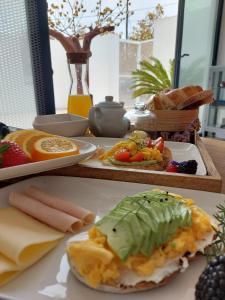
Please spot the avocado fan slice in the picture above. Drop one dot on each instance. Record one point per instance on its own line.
(144, 222)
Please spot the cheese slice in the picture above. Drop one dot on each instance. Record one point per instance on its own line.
(23, 241)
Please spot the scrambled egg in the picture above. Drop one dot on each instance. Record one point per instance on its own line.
(97, 263)
(132, 147)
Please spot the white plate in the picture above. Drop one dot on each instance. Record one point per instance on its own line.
(50, 278)
(86, 150)
(180, 152)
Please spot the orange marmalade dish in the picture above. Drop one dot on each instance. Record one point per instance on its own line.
(99, 261)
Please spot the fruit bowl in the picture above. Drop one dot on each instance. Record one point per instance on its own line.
(67, 125)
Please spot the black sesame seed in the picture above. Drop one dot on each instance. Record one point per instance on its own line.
(114, 229)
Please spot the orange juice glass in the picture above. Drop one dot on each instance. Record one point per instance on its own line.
(79, 105)
(79, 99)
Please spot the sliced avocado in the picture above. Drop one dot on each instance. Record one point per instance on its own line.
(143, 222)
(120, 239)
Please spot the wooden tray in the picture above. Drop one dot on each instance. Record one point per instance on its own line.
(212, 182)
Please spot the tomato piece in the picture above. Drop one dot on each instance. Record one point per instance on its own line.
(122, 156)
(160, 146)
(139, 156)
(149, 143)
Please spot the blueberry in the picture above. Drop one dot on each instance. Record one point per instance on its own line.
(174, 163)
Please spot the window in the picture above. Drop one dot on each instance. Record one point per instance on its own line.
(26, 86)
(116, 55)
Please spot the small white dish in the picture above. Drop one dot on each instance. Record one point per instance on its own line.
(61, 124)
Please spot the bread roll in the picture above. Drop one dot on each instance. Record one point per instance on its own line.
(170, 100)
(201, 98)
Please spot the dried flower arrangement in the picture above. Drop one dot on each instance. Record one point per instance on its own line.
(66, 22)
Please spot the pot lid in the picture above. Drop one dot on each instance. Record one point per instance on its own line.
(109, 103)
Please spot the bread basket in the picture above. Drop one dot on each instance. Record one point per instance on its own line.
(166, 120)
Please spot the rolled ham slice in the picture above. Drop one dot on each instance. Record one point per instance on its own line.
(48, 215)
(68, 207)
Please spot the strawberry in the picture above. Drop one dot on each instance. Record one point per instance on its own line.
(11, 155)
(172, 166)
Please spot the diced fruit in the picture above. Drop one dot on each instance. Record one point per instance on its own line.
(11, 155)
(139, 156)
(149, 143)
(160, 145)
(53, 147)
(172, 168)
(159, 139)
(187, 167)
(122, 156)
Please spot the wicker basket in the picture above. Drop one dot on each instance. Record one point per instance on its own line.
(166, 120)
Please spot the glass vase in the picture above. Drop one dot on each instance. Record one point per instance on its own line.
(79, 99)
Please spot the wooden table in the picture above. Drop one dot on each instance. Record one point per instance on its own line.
(216, 149)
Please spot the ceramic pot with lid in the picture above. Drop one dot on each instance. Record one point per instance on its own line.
(107, 119)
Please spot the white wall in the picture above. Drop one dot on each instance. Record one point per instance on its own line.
(104, 67)
(165, 39)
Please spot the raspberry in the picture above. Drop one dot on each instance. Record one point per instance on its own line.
(11, 154)
(172, 167)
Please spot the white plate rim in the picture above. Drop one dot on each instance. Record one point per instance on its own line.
(174, 146)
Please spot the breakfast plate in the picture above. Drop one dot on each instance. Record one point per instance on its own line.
(51, 278)
(86, 150)
(180, 152)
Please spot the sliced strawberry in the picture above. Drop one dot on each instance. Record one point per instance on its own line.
(172, 168)
(11, 154)
(159, 139)
(122, 156)
(149, 143)
(160, 145)
(139, 156)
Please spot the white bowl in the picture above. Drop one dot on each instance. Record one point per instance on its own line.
(61, 124)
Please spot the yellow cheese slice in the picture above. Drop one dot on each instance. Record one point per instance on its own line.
(23, 241)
